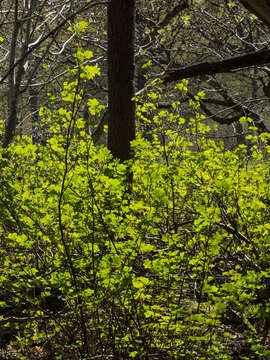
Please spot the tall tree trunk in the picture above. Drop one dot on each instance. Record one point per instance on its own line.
(16, 77)
(121, 41)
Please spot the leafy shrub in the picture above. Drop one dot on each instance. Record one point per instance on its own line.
(177, 268)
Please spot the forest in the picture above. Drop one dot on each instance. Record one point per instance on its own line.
(134, 180)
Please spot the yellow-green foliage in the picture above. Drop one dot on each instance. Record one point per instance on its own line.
(164, 269)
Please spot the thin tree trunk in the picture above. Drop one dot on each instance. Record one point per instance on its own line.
(15, 77)
(121, 39)
(34, 108)
(13, 90)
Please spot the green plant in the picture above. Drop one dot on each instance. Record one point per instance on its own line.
(178, 268)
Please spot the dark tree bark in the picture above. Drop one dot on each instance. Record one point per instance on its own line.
(261, 57)
(121, 90)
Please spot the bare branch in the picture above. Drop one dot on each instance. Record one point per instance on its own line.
(260, 8)
(51, 33)
(261, 57)
(172, 14)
